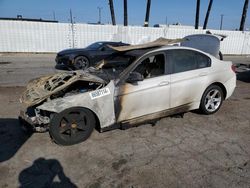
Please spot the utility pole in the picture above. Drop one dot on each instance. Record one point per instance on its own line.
(166, 20)
(72, 28)
(208, 13)
(244, 15)
(125, 12)
(112, 11)
(197, 14)
(54, 15)
(71, 17)
(147, 13)
(100, 14)
(221, 21)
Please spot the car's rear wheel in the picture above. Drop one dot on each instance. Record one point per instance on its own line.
(81, 63)
(220, 55)
(211, 100)
(72, 126)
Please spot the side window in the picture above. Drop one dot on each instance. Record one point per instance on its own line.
(202, 60)
(116, 44)
(183, 60)
(105, 48)
(152, 66)
(186, 60)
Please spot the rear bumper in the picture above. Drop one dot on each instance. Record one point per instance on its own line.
(230, 86)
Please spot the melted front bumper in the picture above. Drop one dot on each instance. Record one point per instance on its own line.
(30, 123)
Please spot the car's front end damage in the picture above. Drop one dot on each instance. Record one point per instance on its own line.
(34, 121)
(92, 89)
(48, 89)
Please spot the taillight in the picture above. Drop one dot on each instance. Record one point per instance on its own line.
(233, 68)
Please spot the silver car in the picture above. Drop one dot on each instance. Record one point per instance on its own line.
(158, 83)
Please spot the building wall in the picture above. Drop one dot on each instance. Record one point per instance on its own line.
(23, 36)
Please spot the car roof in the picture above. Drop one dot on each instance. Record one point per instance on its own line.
(143, 52)
(108, 42)
(176, 48)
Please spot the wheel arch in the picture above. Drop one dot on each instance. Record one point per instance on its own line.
(97, 126)
(224, 90)
(82, 55)
(202, 108)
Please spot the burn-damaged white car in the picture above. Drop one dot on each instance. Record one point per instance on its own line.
(157, 82)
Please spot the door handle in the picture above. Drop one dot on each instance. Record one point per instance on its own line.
(203, 74)
(164, 83)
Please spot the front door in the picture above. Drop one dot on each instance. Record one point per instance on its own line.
(148, 96)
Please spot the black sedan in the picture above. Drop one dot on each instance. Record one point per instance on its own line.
(82, 58)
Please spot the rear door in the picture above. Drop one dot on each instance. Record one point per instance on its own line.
(189, 76)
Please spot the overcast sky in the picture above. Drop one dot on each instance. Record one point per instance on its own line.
(182, 11)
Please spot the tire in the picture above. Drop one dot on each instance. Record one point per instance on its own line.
(220, 55)
(211, 100)
(81, 63)
(72, 126)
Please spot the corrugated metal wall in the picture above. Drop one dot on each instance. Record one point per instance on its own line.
(22, 36)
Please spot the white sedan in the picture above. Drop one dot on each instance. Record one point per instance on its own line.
(158, 83)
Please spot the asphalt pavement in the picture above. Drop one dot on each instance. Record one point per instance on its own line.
(193, 151)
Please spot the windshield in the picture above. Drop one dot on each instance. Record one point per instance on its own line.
(112, 68)
(95, 45)
(138, 54)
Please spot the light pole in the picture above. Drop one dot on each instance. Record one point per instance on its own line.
(54, 15)
(100, 14)
(221, 21)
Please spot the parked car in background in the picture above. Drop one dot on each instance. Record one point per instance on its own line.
(82, 58)
(158, 83)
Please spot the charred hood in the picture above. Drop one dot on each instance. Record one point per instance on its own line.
(44, 87)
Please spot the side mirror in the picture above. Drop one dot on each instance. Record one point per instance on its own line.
(134, 77)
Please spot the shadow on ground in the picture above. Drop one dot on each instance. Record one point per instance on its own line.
(244, 76)
(12, 137)
(45, 173)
